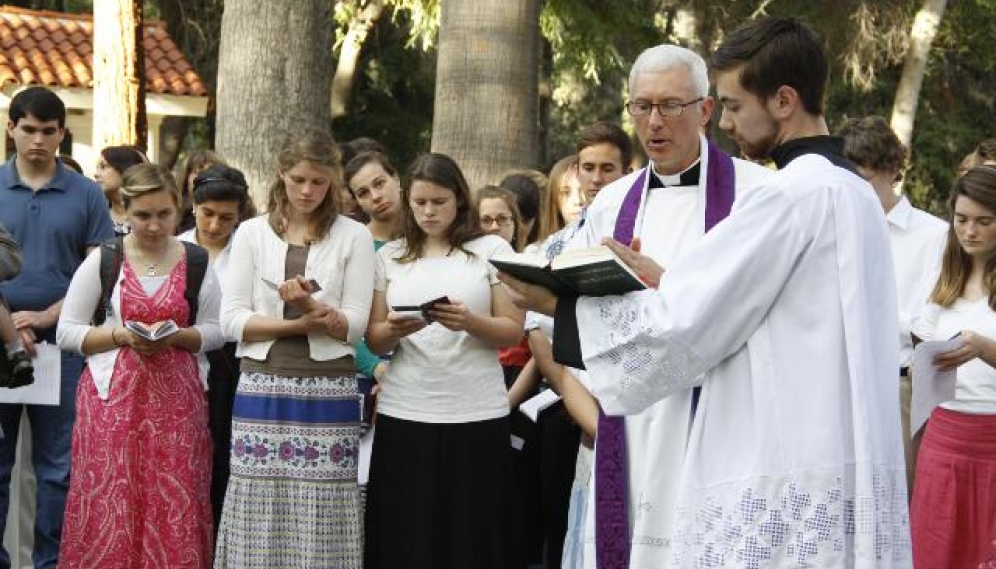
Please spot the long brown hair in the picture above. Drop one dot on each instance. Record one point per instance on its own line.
(550, 221)
(441, 170)
(313, 146)
(508, 198)
(978, 185)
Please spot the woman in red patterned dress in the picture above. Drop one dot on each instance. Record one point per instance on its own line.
(139, 494)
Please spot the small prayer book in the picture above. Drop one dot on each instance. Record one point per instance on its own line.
(153, 332)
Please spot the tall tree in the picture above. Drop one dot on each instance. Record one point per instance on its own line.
(924, 31)
(486, 104)
(274, 75)
(118, 74)
(360, 25)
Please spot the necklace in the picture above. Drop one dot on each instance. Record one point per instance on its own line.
(152, 268)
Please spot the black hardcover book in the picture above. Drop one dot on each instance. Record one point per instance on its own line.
(595, 271)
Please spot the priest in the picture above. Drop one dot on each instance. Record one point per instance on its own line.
(687, 187)
(784, 314)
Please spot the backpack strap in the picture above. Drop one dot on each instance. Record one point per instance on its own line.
(197, 265)
(111, 257)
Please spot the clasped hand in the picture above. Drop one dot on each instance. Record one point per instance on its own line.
(27, 321)
(297, 293)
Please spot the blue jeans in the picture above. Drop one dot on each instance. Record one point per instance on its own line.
(51, 441)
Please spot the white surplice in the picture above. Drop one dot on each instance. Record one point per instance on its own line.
(785, 314)
(671, 220)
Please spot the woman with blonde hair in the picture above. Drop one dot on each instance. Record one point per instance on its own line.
(140, 491)
(954, 496)
(297, 297)
(564, 200)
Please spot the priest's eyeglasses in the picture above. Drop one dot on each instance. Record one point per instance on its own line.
(669, 109)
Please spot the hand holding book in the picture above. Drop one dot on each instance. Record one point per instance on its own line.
(153, 332)
(646, 268)
(452, 315)
(146, 338)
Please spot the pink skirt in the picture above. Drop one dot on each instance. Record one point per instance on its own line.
(953, 513)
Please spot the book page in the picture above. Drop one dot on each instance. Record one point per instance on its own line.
(527, 259)
(931, 386)
(48, 379)
(535, 405)
(576, 257)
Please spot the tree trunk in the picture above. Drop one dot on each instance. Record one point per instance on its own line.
(486, 104)
(349, 56)
(925, 25)
(118, 74)
(171, 134)
(274, 76)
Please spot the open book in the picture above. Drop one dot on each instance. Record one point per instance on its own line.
(153, 332)
(420, 311)
(595, 271)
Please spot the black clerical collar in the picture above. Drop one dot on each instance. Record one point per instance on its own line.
(829, 147)
(689, 177)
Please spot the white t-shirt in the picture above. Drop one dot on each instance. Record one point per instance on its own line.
(917, 240)
(220, 262)
(975, 391)
(437, 375)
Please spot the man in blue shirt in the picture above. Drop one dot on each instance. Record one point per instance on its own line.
(57, 216)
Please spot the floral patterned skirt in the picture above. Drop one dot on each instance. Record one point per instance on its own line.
(292, 498)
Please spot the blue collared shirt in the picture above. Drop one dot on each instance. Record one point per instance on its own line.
(54, 226)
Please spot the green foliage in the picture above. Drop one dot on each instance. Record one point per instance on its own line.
(420, 18)
(590, 44)
(393, 94)
(958, 102)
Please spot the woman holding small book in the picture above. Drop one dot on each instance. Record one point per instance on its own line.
(439, 487)
(953, 512)
(297, 298)
(140, 495)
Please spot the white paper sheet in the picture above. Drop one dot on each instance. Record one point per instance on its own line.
(931, 386)
(363, 461)
(48, 379)
(533, 406)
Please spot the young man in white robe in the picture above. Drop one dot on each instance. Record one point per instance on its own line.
(670, 105)
(917, 239)
(785, 315)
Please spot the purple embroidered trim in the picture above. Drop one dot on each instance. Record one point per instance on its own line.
(611, 511)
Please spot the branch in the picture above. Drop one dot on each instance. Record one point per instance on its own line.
(761, 10)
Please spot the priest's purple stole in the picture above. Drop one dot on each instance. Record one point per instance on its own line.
(612, 539)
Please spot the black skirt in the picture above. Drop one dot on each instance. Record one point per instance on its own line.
(438, 495)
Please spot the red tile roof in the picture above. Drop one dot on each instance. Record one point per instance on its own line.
(56, 49)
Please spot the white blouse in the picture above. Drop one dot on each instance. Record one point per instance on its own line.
(82, 299)
(220, 262)
(975, 390)
(342, 262)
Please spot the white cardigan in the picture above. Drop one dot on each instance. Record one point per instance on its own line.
(82, 299)
(342, 262)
